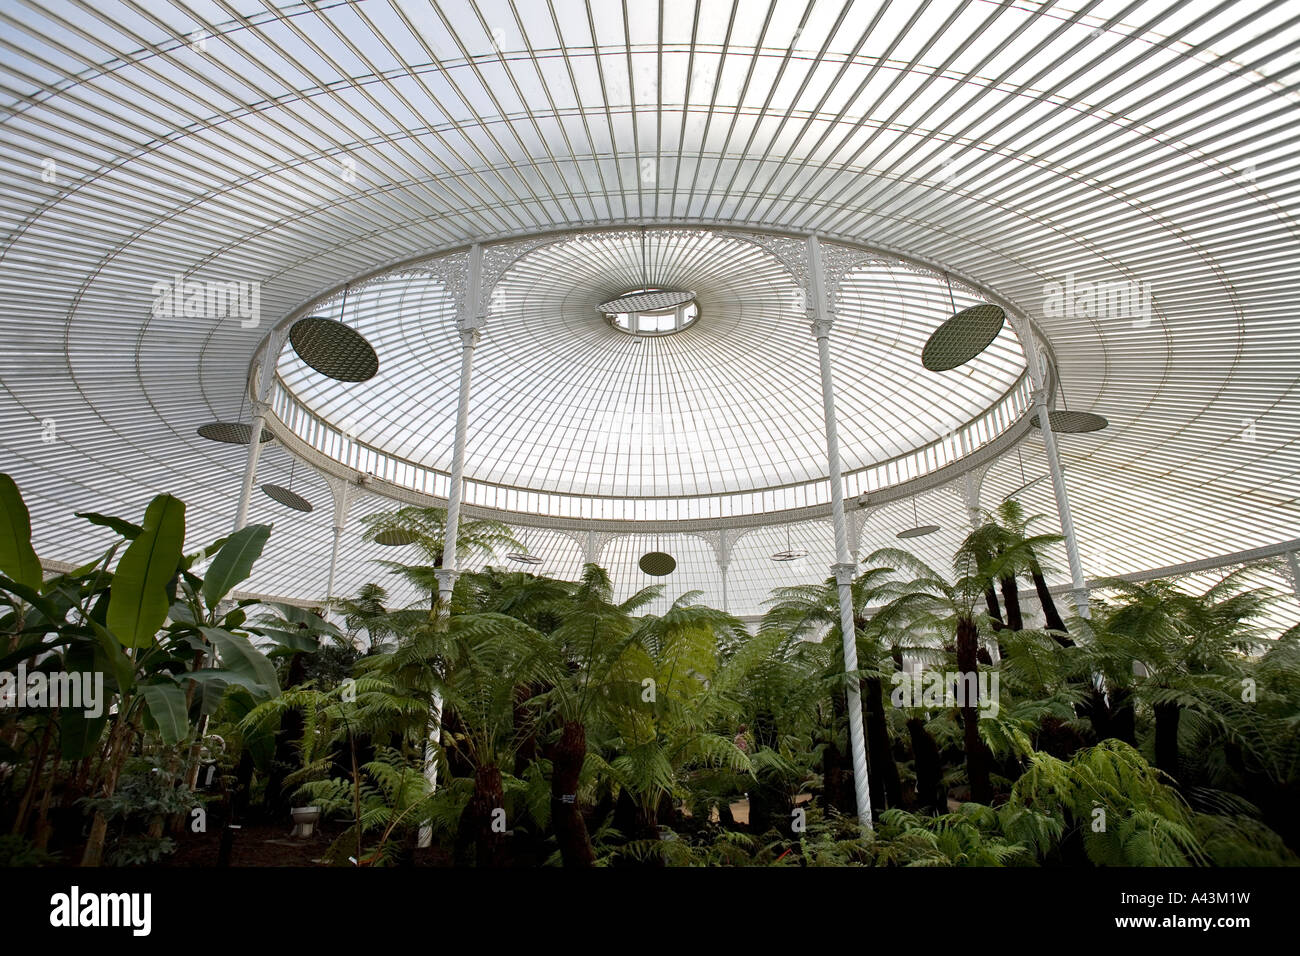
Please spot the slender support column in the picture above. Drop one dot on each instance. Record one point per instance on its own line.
(334, 562)
(471, 321)
(1080, 586)
(265, 376)
(1037, 379)
(468, 325)
(339, 489)
(844, 566)
(250, 464)
(1293, 560)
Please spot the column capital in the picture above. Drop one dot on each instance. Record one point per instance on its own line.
(844, 572)
(821, 324)
(469, 335)
(446, 578)
(1039, 396)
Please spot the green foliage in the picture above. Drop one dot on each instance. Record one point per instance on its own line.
(532, 693)
(1240, 841)
(140, 584)
(147, 630)
(17, 559)
(974, 835)
(390, 791)
(1120, 806)
(234, 562)
(167, 708)
(146, 792)
(17, 851)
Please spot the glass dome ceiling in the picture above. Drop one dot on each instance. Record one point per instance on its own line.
(729, 408)
(290, 147)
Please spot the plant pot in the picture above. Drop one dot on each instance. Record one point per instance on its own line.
(304, 820)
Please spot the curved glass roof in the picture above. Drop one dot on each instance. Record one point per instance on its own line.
(293, 148)
(564, 404)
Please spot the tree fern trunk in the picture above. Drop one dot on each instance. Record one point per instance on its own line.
(625, 814)
(566, 815)
(977, 755)
(525, 731)
(837, 779)
(994, 609)
(1167, 718)
(489, 797)
(1051, 616)
(1011, 598)
(287, 737)
(1122, 724)
(769, 802)
(929, 767)
(880, 752)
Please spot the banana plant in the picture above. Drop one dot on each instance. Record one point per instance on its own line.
(144, 629)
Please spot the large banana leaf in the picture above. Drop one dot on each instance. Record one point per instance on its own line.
(32, 596)
(125, 528)
(234, 562)
(78, 734)
(121, 666)
(140, 599)
(293, 640)
(244, 661)
(17, 559)
(166, 704)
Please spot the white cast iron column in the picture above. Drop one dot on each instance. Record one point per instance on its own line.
(1036, 377)
(468, 325)
(266, 375)
(844, 566)
(339, 489)
(471, 321)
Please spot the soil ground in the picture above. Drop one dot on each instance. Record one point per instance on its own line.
(270, 846)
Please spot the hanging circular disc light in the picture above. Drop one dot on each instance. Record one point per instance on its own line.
(394, 538)
(334, 349)
(286, 497)
(790, 553)
(658, 563)
(1025, 483)
(1065, 421)
(233, 433)
(525, 556)
(962, 337)
(917, 530)
(1023, 488)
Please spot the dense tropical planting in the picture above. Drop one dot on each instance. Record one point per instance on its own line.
(534, 721)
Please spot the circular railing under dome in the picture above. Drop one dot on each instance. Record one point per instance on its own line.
(573, 416)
